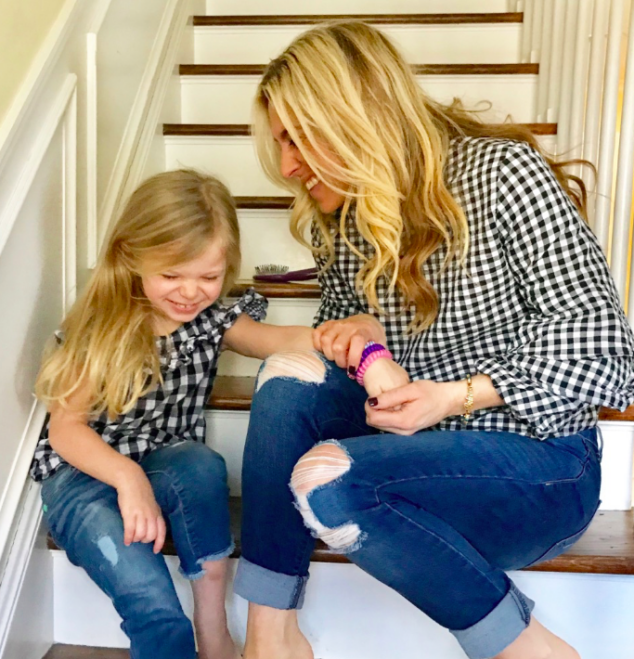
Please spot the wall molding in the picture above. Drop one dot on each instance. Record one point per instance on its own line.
(63, 113)
(141, 126)
(19, 558)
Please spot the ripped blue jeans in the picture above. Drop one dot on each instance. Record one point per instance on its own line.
(437, 516)
(190, 485)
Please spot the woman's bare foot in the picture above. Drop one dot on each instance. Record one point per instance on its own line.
(275, 634)
(537, 642)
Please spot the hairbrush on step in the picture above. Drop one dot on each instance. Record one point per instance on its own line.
(281, 274)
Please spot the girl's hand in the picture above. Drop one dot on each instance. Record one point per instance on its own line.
(415, 406)
(384, 375)
(342, 341)
(142, 517)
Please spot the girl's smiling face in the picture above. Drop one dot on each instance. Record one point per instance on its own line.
(179, 294)
(293, 165)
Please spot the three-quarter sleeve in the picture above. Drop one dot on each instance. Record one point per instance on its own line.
(574, 348)
(251, 303)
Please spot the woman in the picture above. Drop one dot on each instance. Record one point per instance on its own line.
(492, 293)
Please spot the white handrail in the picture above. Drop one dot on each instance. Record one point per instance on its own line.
(607, 138)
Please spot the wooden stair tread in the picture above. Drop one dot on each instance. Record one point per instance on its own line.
(419, 69)
(244, 130)
(63, 651)
(381, 19)
(297, 290)
(234, 393)
(606, 548)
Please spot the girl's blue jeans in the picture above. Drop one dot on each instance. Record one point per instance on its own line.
(190, 485)
(442, 515)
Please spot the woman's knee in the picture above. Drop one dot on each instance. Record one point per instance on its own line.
(325, 464)
(302, 367)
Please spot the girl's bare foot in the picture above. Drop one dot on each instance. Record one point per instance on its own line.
(275, 634)
(537, 642)
(210, 618)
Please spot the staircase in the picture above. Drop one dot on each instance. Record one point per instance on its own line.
(586, 595)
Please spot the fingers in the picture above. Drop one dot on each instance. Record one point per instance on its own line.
(161, 531)
(357, 343)
(129, 529)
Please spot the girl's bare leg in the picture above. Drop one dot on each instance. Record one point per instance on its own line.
(210, 617)
(275, 634)
(536, 642)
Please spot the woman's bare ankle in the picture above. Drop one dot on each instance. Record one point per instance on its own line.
(275, 634)
(537, 642)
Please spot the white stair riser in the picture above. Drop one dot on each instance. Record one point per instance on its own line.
(234, 161)
(226, 433)
(229, 99)
(280, 312)
(257, 7)
(350, 615)
(265, 237)
(421, 44)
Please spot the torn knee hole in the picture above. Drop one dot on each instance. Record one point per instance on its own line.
(299, 365)
(319, 466)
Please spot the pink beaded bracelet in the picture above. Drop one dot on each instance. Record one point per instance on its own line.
(383, 353)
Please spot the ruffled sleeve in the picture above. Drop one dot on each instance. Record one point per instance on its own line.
(575, 347)
(251, 303)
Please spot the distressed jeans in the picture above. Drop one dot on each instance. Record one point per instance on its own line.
(437, 516)
(190, 485)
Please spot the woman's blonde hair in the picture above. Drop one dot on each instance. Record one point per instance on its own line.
(109, 353)
(352, 106)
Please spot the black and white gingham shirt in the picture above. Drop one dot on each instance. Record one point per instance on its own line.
(173, 412)
(534, 308)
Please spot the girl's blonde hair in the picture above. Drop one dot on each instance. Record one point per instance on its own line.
(352, 106)
(109, 353)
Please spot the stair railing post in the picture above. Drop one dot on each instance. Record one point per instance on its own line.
(527, 30)
(553, 93)
(607, 136)
(593, 99)
(566, 79)
(544, 62)
(579, 89)
(536, 31)
(621, 245)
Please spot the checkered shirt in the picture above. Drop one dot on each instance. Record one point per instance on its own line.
(534, 308)
(173, 412)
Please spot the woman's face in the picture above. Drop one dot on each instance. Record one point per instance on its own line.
(293, 165)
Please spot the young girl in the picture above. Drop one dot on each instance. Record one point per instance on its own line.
(122, 457)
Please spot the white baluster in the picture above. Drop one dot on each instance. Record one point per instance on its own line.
(566, 78)
(607, 147)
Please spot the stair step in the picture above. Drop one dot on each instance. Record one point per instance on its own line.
(419, 69)
(244, 130)
(381, 19)
(333, 7)
(234, 393)
(607, 547)
(298, 290)
(62, 651)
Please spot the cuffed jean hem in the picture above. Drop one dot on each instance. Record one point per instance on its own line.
(261, 586)
(498, 629)
(199, 574)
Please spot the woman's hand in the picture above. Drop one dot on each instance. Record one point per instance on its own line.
(384, 375)
(415, 406)
(342, 341)
(142, 517)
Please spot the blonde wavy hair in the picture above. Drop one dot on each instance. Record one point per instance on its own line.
(352, 106)
(109, 350)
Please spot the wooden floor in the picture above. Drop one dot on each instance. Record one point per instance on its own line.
(83, 652)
